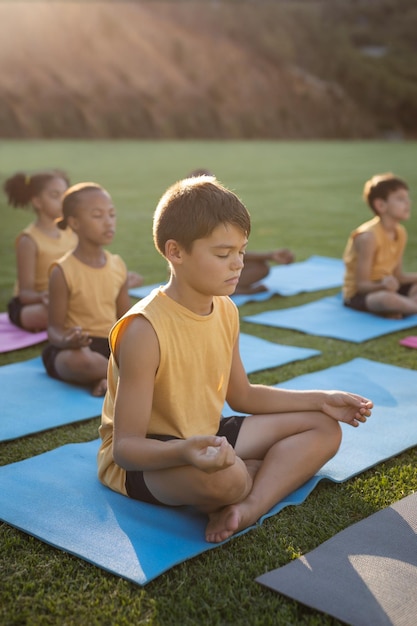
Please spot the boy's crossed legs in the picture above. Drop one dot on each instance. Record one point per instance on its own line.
(274, 455)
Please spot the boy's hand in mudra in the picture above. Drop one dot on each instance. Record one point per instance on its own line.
(210, 453)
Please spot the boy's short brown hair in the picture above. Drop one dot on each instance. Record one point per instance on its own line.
(192, 208)
(380, 186)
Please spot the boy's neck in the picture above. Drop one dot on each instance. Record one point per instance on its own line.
(198, 303)
(389, 223)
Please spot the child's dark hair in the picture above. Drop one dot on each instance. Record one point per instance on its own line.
(380, 186)
(192, 208)
(23, 186)
(71, 198)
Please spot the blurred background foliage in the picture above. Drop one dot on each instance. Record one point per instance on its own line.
(232, 69)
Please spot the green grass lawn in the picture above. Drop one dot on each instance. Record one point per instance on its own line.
(304, 195)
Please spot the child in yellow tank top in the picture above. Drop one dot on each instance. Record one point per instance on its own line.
(37, 245)
(374, 277)
(175, 360)
(40, 244)
(88, 291)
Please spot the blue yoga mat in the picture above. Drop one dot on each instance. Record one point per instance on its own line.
(31, 401)
(57, 497)
(258, 354)
(26, 387)
(314, 274)
(328, 317)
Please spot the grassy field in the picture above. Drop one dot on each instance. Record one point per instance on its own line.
(306, 196)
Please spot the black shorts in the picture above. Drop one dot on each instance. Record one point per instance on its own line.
(358, 301)
(135, 483)
(14, 308)
(50, 352)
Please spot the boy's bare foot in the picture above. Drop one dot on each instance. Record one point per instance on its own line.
(229, 520)
(100, 388)
(223, 524)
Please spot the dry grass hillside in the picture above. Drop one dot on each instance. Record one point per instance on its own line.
(165, 70)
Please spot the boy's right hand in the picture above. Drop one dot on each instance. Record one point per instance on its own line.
(209, 453)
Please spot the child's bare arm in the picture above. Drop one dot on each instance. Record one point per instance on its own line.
(58, 303)
(261, 399)
(405, 277)
(123, 302)
(26, 262)
(281, 255)
(137, 355)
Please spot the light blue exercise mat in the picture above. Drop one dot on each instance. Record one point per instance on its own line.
(329, 317)
(57, 498)
(31, 401)
(258, 354)
(314, 274)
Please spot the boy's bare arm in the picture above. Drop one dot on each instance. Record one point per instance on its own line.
(137, 354)
(261, 399)
(405, 277)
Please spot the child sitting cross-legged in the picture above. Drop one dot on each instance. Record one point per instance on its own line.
(175, 361)
(374, 277)
(88, 291)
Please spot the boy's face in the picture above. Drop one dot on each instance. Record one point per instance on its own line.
(214, 264)
(397, 205)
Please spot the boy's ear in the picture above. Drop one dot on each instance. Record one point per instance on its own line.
(173, 251)
(379, 205)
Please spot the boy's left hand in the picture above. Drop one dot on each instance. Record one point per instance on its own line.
(347, 407)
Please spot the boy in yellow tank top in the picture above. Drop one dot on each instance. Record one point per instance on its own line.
(374, 278)
(175, 360)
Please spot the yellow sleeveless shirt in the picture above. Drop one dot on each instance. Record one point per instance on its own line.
(387, 255)
(48, 250)
(93, 292)
(192, 378)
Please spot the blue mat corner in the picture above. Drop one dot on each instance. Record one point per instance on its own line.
(31, 401)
